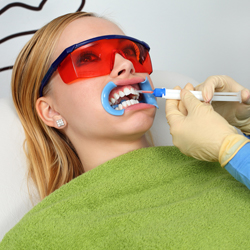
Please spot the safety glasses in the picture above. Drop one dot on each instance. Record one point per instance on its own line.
(95, 57)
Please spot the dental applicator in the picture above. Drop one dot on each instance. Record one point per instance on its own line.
(175, 94)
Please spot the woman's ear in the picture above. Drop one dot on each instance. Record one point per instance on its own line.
(48, 114)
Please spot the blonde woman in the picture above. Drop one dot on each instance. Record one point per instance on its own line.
(74, 87)
(58, 154)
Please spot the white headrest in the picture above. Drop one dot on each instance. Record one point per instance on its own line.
(14, 197)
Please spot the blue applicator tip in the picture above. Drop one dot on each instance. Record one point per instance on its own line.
(159, 92)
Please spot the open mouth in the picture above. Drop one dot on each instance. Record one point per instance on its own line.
(124, 96)
(115, 98)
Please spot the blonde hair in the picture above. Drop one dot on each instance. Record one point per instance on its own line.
(52, 159)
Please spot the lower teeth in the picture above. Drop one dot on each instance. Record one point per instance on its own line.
(125, 104)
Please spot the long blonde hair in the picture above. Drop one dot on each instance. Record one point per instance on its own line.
(52, 159)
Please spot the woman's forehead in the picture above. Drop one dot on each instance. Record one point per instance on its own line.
(85, 28)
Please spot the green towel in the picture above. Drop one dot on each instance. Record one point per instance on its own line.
(152, 198)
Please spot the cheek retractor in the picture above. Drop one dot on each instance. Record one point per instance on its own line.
(146, 98)
(175, 95)
(105, 100)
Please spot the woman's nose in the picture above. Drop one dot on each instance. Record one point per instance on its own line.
(122, 67)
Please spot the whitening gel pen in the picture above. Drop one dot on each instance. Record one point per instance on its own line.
(175, 94)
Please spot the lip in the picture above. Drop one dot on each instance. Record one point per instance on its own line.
(130, 81)
(139, 106)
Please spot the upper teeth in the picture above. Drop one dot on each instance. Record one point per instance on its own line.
(123, 93)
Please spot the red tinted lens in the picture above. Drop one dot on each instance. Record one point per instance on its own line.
(95, 59)
(137, 54)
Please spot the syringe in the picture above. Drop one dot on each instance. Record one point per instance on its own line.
(175, 94)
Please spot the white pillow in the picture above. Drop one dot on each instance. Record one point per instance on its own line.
(14, 195)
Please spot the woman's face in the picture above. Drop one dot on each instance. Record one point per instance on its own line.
(80, 103)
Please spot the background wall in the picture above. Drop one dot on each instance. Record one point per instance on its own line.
(194, 38)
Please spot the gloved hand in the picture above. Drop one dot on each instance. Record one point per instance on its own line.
(237, 114)
(201, 133)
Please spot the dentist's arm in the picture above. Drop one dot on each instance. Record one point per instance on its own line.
(239, 165)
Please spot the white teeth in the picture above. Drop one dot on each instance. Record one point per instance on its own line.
(126, 104)
(116, 96)
(127, 91)
(134, 92)
(121, 94)
(112, 101)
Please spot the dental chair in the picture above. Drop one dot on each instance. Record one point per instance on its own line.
(15, 196)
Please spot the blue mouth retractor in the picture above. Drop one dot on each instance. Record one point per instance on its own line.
(147, 98)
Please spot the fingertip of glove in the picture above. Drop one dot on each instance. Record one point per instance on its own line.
(246, 96)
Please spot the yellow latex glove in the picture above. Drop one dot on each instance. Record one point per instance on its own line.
(200, 132)
(237, 114)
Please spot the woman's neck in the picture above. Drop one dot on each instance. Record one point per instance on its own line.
(94, 153)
